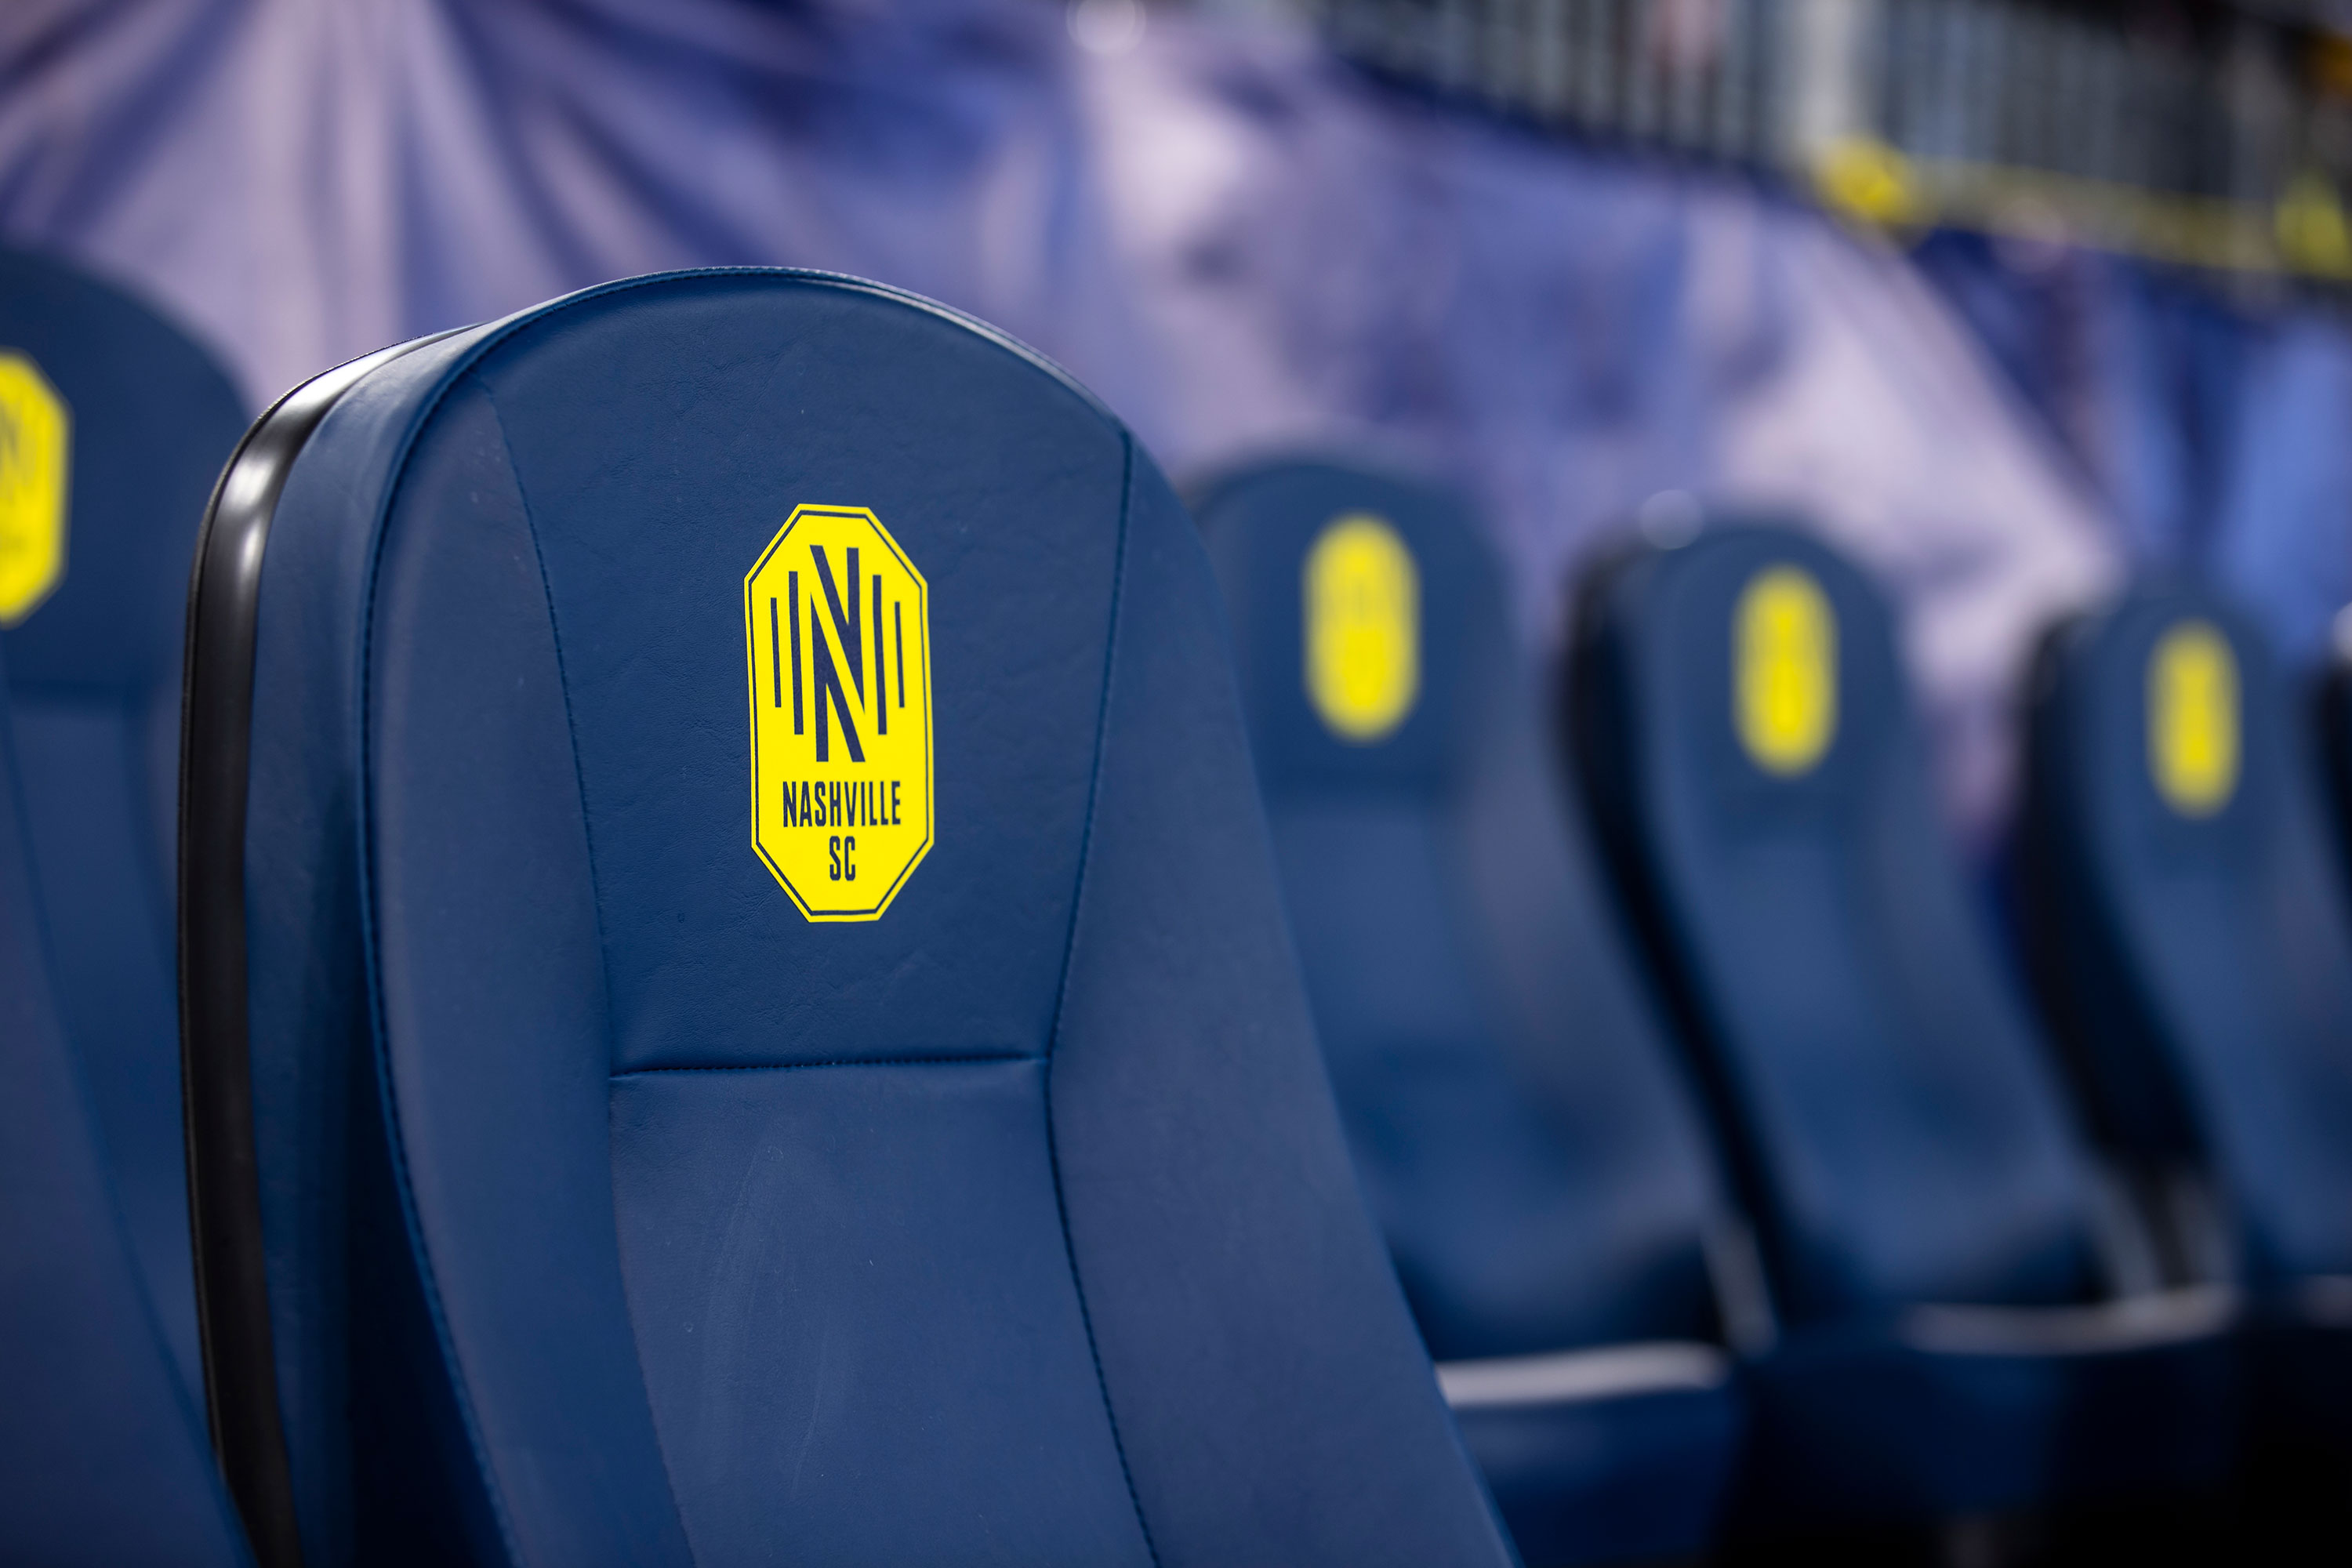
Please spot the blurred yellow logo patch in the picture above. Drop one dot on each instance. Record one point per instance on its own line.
(35, 432)
(1784, 670)
(838, 646)
(2192, 718)
(1363, 627)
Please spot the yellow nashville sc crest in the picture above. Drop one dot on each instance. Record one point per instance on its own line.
(34, 434)
(2192, 718)
(1784, 670)
(1362, 628)
(837, 645)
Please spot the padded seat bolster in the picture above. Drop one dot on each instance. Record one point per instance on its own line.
(312, 1074)
(507, 1156)
(1306, 1331)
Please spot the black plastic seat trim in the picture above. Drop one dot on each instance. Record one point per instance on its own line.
(232, 1288)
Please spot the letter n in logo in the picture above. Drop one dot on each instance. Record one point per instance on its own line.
(837, 645)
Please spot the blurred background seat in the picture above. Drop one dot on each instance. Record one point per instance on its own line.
(1006, 1218)
(2184, 904)
(1514, 1108)
(114, 425)
(103, 1457)
(1967, 1327)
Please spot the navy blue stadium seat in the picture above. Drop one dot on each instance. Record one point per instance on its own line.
(102, 1451)
(1514, 1108)
(2192, 935)
(1967, 1325)
(113, 425)
(727, 1084)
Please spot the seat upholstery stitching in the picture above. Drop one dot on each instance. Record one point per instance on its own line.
(395, 1149)
(1062, 989)
(596, 890)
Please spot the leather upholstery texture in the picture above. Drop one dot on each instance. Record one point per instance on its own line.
(103, 1457)
(1518, 1116)
(618, 1212)
(1894, 1120)
(2200, 960)
(94, 690)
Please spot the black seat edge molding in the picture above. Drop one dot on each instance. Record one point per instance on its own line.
(216, 1067)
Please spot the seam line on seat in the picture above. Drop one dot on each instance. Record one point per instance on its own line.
(379, 1054)
(1069, 954)
(596, 888)
(988, 1059)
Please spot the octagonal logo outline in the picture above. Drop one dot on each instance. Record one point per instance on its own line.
(51, 465)
(919, 686)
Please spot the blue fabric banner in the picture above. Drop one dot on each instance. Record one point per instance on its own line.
(1237, 241)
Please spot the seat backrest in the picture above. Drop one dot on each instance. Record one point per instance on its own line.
(103, 1450)
(1743, 726)
(806, 1089)
(2187, 915)
(113, 425)
(1514, 1108)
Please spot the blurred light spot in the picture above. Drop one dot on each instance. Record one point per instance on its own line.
(1864, 178)
(1107, 27)
(1670, 519)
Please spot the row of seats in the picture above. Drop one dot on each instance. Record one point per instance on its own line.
(896, 1131)
(1799, 1115)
